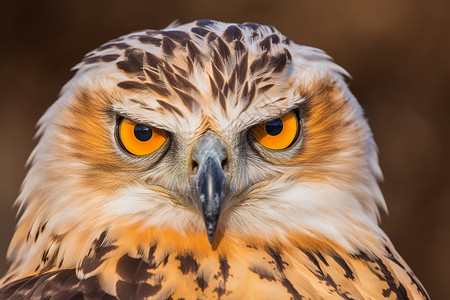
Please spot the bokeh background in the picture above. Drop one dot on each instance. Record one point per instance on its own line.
(398, 53)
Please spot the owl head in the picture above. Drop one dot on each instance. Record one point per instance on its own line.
(208, 127)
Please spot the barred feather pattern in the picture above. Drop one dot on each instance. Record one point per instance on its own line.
(304, 269)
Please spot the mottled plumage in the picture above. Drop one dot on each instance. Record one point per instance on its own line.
(98, 220)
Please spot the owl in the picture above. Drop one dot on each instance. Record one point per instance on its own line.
(204, 161)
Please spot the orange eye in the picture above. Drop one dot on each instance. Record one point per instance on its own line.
(279, 133)
(139, 139)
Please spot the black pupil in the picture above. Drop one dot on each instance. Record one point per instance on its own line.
(274, 127)
(142, 132)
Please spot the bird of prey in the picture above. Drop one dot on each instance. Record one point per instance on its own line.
(204, 161)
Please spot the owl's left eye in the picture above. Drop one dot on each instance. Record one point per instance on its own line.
(278, 134)
(139, 139)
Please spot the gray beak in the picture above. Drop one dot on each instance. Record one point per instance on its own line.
(210, 184)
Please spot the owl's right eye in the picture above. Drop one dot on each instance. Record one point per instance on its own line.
(139, 139)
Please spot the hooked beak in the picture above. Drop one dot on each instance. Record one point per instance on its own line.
(210, 184)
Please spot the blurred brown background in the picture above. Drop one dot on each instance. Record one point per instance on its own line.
(398, 53)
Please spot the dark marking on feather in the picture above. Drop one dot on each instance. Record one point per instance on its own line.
(91, 59)
(168, 46)
(200, 31)
(386, 276)
(260, 63)
(278, 62)
(152, 32)
(239, 47)
(202, 283)
(223, 48)
(232, 33)
(311, 258)
(265, 88)
(232, 81)
(225, 89)
(165, 259)
(218, 61)
(244, 92)
(96, 254)
(280, 266)
(137, 86)
(167, 67)
(341, 262)
(181, 71)
(43, 226)
(102, 251)
(188, 264)
(157, 89)
(119, 46)
(262, 274)
(224, 268)
(152, 60)
(242, 69)
(151, 252)
(320, 256)
(51, 263)
(363, 256)
(190, 64)
(214, 89)
(211, 37)
(266, 44)
(204, 23)
(109, 57)
(185, 84)
(148, 39)
(250, 95)
(141, 290)
(132, 85)
(133, 63)
(44, 257)
(220, 291)
(193, 51)
(288, 55)
(133, 269)
(222, 101)
(170, 107)
(62, 284)
(187, 99)
(419, 286)
(291, 289)
(176, 35)
(89, 264)
(254, 26)
(103, 58)
(218, 78)
(143, 106)
(275, 38)
(154, 77)
(169, 76)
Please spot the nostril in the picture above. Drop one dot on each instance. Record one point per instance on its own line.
(194, 167)
(224, 164)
